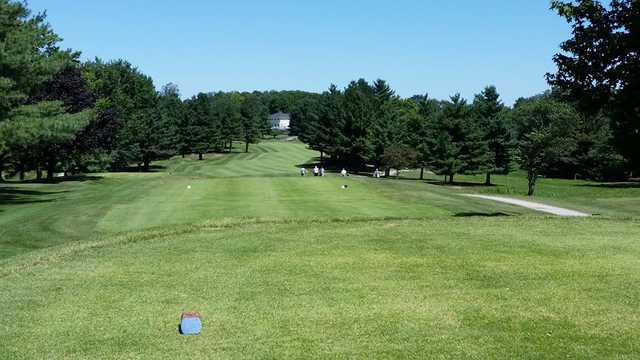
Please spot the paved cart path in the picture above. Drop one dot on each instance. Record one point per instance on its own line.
(533, 205)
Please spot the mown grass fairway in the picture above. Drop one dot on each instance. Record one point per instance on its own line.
(287, 267)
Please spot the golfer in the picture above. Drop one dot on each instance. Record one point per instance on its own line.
(316, 171)
(343, 172)
(303, 171)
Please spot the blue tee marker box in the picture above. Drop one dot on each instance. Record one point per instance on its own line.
(190, 323)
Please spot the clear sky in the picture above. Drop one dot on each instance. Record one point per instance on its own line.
(420, 46)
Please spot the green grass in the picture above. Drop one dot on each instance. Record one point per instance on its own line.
(262, 184)
(514, 288)
(287, 267)
(604, 199)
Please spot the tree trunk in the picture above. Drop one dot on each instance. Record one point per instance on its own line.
(387, 172)
(487, 180)
(531, 177)
(38, 173)
(146, 165)
(421, 173)
(1, 171)
(322, 158)
(183, 155)
(51, 166)
(246, 147)
(451, 179)
(200, 156)
(21, 171)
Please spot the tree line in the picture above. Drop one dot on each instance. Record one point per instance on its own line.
(367, 126)
(58, 114)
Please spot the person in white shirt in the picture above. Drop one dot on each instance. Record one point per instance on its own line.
(343, 172)
(303, 171)
(316, 171)
(322, 173)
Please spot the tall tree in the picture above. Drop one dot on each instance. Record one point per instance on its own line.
(131, 98)
(599, 67)
(228, 108)
(456, 145)
(38, 132)
(171, 116)
(490, 113)
(203, 125)
(29, 54)
(418, 129)
(359, 108)
(254, 114)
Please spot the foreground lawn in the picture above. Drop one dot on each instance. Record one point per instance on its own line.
(463, 288)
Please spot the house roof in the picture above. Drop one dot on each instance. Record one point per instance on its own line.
(281, 116)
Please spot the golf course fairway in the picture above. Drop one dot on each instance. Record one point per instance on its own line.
(284, 266)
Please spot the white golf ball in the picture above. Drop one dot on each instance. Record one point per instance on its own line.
(189, 187)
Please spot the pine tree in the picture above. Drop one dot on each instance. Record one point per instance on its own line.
(254, 115)
(203, 129)
(457, 145)
(490, 115)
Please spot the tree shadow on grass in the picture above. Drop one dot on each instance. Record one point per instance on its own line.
(480, 214)
(73, 178)
(14, 196)
(135, 169)
(621, 185)
(458, 183)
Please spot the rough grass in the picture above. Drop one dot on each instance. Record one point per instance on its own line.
(603, 199)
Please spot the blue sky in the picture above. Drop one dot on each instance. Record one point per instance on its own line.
(419, 46)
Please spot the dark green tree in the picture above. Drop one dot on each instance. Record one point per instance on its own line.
(545, 129)
(203, 126)
(171, 117)
(29, 54)
(36, 133)
(456, 145)
(254, 115)
(131, 99)
(599, 67)
(491, 117)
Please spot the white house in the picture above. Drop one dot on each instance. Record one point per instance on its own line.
(280, 121)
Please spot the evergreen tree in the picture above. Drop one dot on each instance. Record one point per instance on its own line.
(29, 54)
(456, 144)
(171, 114)
(254, 115)
(359, 114)
(203, 128)
(490, 115)
(228, 108)
(36, 133)
(418, 133)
